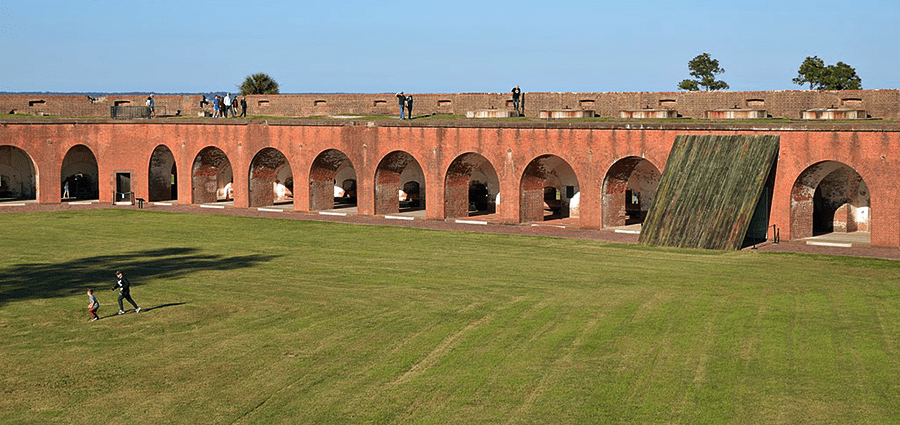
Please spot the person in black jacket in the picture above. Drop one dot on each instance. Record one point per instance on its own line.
(409, 105)
(516, 93)
(124, 288)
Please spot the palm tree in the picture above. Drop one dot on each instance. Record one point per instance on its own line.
(259, 83)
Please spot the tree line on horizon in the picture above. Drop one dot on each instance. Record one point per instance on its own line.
(703, 68)
(813, 71)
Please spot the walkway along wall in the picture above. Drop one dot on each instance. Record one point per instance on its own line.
(578, 165)
(787, 104)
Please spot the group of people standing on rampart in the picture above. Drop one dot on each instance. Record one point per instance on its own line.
(222, 106)
(406, 103)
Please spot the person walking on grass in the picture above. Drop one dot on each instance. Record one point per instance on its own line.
(124, 288)
(93, 306)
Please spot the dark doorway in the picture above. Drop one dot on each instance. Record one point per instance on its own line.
(479, 198)
(123, 187)
(412, 199)
(174, 183)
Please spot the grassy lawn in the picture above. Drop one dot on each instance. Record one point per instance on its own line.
(279, 321)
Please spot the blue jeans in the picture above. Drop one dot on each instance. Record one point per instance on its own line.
(401, 111)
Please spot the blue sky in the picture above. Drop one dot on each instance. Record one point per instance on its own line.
(312, 46)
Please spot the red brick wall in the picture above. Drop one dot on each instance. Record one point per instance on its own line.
(883, 104)
(590, 149)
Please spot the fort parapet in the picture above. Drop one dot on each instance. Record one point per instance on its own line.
(786, 104)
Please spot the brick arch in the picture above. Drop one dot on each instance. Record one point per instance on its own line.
(331, 168)
(18, 174)
(271, 180)
(398, 170)
(543, 174)
(162, 175)
(829, 196)
(212, 177)
(471, 186)
(634, 174)
(80, 168)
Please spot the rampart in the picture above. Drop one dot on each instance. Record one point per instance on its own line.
(788, 104)
(828, 177)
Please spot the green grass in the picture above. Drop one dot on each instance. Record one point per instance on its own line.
(280, 321)
(532, 117)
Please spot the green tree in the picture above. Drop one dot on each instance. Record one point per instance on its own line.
(839, 76)
(259, 84)
(704, 68)
(811, 71)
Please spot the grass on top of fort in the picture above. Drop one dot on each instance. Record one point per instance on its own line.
(459, 117)
(256, 320)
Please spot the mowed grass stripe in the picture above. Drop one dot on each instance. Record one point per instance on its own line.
(280, 321)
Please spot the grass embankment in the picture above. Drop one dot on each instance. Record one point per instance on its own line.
(460, 117)
(279, 321)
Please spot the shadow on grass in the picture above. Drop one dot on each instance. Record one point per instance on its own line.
(157, 307)
(144, 310)
(46, 280)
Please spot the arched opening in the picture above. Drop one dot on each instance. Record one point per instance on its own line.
(471, 187)
(18, 178)
(211, 177)
(399, 184)
(332, 182)
(829, 197)
(163, 175)
(549, 190)
(628, 191)
(80, 172)
(271, 180)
